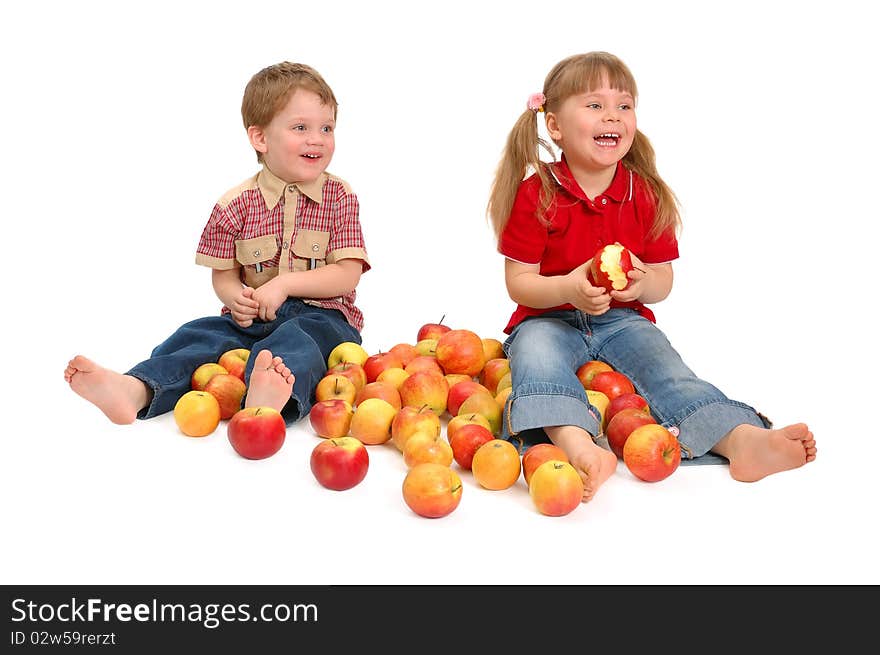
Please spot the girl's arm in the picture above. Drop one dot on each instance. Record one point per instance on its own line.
(649, 285)
(526, 286)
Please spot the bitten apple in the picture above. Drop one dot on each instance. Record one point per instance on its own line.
(651, 453)
(610, 266)
(339, 463)
(256, 432)
(432, 490)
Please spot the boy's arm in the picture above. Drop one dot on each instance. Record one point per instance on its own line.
(330, 281)
(234, 295)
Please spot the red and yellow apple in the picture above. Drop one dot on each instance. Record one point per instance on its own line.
(339, 463)
(336, 385)
(379, 389)
(651, 453)
(375, 364)
(197, 413)
(229, 390)
(588, 370)
(496, 465)
(411, 419)
(371, 423)
(203, 374)
(537, 454)
(393, 376)
(354, 372)
(610, 266)
(457, 422)
(432, 490)
(493, 371)
(427, 347)
(484, 403)
(556, 488)
(432, 330)
(423, 363)
(424, 447)
(347, 351)
(461, 351)
(621, 426)
(425, 388)
(256, 432)
(405, 351)
(612, 384)
(331, 419)
(460, 392)
(492, 349)
(624, 401)
(235, 361)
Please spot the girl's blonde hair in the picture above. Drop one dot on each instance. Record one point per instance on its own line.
(269, 90)
(572, 76)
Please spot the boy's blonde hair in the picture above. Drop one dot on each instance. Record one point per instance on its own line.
(270, 89)
(571, 76)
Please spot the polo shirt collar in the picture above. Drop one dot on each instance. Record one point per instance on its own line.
(272, 187)
(619, 189)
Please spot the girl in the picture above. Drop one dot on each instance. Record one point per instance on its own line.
(605, 189)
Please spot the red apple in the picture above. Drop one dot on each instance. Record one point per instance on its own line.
(331, 419)
(465, 442)
(432, 490)
(377, 363)
(610, 266)
(587, 371)
(556, 488)
(612, 384)
(624, 401)
(235, 361)
(424, 388)
(621, 426)
(354, 372)
(461, 351)
(458, 422)
(651, 453)
(256, 432)
(228, 389)
(203, 374)
(432, 330)
(460, 392)
(339, 463)
(538, 454)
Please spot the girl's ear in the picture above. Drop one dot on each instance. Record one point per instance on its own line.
(257, 137)
(552, 126)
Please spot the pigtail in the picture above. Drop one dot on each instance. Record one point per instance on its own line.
(642, 160)
(521, 154)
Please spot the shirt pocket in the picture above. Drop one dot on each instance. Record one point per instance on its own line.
(254, 256)
(310, 249)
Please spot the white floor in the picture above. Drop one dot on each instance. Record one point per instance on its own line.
(111, 175)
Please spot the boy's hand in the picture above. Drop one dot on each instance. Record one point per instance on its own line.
(583, 295)
(270, 297)
(637, 282)
(244, 308)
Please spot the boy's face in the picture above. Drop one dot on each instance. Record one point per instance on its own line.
(298, 143)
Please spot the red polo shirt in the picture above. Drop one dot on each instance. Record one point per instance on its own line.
(578, 226)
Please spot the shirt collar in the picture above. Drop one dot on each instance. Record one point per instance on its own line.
(619, 190)
(272, 187)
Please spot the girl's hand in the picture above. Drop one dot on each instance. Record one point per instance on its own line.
(583, 295)
(270, 296)
(244, 308)
(637, 283)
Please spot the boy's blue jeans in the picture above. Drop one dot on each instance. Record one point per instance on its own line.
(301, 334)
(546, 351)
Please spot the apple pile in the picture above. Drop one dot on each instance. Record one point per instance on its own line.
(655, 454)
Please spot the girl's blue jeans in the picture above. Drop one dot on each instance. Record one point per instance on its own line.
(545, 352)
(301, 334)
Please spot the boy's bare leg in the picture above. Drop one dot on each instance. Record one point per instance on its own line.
(119, 396)
(270, 384)
(592, 462)
(755, 453)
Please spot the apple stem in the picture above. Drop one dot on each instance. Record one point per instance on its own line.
(440, 322)
(639, 269)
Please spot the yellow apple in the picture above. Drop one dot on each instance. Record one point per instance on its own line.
(347, 351)
(371, 423)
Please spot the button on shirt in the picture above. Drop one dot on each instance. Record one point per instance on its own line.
(578, 227)
(265, 225)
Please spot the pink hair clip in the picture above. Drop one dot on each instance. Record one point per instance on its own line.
(536, 102)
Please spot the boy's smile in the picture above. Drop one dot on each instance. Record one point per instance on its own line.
(298, 143)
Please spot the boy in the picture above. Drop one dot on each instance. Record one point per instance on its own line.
(286, 252)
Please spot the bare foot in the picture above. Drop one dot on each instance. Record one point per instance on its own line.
(119, 396)
(594, 464)
(270, 384)
(755, 453)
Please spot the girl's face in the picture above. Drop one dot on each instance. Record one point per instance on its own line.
(594, 129)
(298, 143)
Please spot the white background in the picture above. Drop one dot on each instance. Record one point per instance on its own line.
(121, 127)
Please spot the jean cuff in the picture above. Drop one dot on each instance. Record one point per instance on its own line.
(704, 427)
(539, 410)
